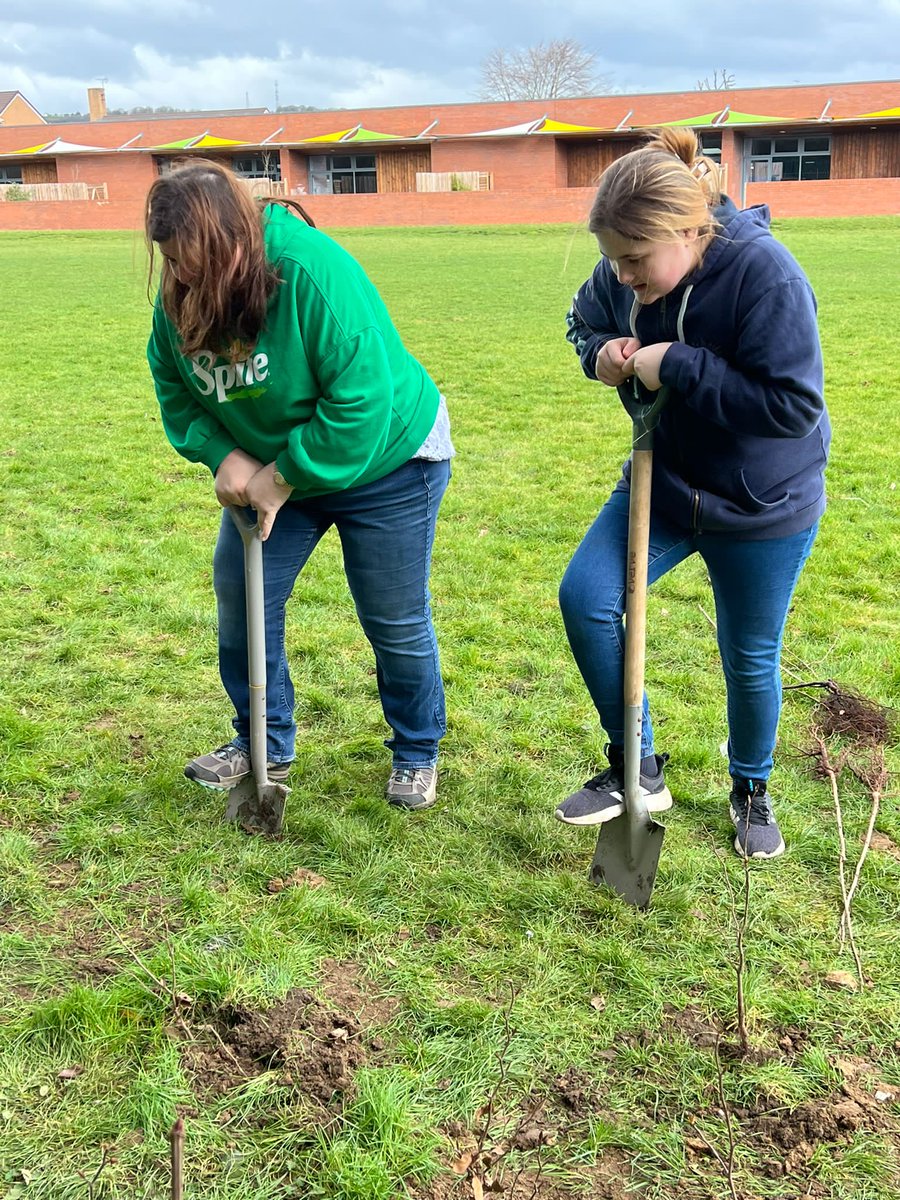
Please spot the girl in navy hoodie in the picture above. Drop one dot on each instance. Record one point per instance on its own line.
(697, 297)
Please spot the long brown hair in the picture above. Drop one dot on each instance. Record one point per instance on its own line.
(218, 229)
(655, 193)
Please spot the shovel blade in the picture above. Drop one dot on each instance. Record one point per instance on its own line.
(627, 857)
(257, 809)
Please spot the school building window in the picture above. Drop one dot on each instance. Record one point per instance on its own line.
(784, 158)
(257, 166)
(711, 145)
(342, 173)
(11, 174)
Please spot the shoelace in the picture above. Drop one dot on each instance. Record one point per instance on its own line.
(405, 775)
(613, 778)
(606, 780)
(755, 808)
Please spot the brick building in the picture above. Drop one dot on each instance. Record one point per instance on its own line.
(819, 150)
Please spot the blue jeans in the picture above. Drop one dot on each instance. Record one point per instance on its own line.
(752, 583)
(387, 532)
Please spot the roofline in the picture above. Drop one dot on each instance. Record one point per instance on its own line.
(763, 87)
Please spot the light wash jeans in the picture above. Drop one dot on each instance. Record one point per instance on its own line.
(387, 532)
(752, 583)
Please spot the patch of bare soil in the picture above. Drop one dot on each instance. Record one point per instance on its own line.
(505, 1153)
(693, 1025)
(608, 1179)
(315, 1045)
(789, 1140)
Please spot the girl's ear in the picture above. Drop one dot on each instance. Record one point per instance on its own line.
(690, 235)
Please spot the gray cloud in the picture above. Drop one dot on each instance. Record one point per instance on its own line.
(193, 54)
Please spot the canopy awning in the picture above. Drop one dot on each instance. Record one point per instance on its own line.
(202, 141)
(881, 115)
(58, 146)
(356, 134)
(723, 116)
(543, 124)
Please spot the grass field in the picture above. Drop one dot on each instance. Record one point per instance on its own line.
(348, 1012)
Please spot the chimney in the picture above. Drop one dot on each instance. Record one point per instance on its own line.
(97, 103)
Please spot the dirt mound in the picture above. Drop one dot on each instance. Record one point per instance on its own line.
(788, 1142)
(314, 1045)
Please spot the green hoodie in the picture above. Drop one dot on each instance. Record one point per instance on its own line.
(329, 392)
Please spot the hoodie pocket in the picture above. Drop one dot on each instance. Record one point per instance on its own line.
(748, 499)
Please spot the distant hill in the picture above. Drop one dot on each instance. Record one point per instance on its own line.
(165, 110)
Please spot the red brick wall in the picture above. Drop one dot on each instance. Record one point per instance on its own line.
(828, 197)
(127, 176)
(518, 164)
(529, 172)
(816, 198)
(71, 214)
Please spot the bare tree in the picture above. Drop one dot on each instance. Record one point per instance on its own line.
(722, 81)
(545, 71)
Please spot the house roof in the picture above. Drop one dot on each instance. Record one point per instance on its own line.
(6, 99)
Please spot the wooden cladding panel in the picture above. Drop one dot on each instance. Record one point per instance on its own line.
(586, 161)
(865, 154)
(397, 168)
(39, 172)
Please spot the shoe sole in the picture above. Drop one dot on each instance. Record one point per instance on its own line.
(656, 802)
(402, 802)
(739, 845)
(739, 850)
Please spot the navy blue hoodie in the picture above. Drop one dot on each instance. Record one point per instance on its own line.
(742, 443)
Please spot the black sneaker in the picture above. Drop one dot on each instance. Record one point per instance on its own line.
(757, 832)
(226, 767)
(603, 797)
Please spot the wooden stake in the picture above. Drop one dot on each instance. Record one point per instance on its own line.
(176, 1140)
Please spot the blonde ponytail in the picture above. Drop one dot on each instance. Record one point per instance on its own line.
(659, 191)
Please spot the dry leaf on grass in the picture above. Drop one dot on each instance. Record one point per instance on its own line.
(299, 877)
(841, 979)
(881, 841)
(463, 1163)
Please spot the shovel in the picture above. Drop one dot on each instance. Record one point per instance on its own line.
(255, 803)
(629, 845)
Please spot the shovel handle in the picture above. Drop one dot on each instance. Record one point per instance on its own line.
(645, 418)
(254, 592)
(245, 527)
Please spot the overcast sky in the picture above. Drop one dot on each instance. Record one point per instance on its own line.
(367, 53)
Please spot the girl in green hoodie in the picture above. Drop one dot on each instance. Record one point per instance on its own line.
(277, 365)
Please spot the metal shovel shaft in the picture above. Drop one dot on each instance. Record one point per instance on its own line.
(256, 803)
(628, 848)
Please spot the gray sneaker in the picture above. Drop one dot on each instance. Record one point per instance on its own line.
(603, 797)
(413, 788)
(225, 768)
(756, 830)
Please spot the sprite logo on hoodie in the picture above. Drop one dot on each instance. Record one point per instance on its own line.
(230, 381)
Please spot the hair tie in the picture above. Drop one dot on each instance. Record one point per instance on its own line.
(700, 168)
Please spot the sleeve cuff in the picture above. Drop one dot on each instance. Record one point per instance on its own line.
(676, 368)
(288, 468)
(216, 450)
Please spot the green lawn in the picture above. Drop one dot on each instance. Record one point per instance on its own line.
(349, 1036)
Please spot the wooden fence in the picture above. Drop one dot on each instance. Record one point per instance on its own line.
(264, 187)
(11, 192)
(454, 181)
